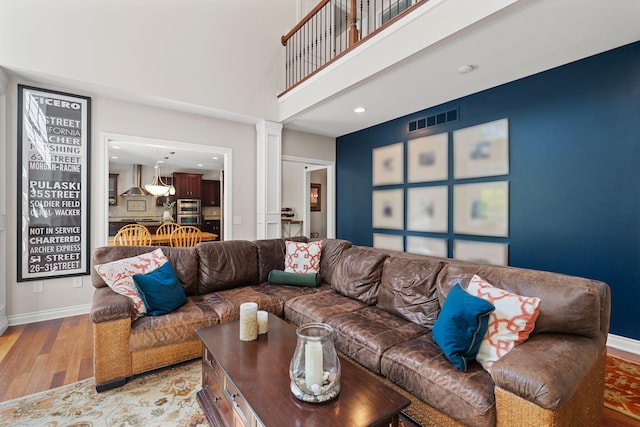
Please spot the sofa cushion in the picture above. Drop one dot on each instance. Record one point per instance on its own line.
(226, 304)
(271, 255)
(408, 289)
(461, 326)
(332, 250)
(310, 280)
(302, 257)
(357, 274)
(118, 275)
(509, 325)
(184, 261)
(319, 307)
(160, 290)
(286, 292)
(419, 366)
(177, 327)
(556, 291)
(226, 265)
(364, 335)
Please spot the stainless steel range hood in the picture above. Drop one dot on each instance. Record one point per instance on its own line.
(137, 189)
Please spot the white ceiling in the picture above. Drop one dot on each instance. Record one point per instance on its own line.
(404, 69)
(514, 40)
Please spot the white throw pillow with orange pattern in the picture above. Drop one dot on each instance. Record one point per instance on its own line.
(509, 325)
(118, 275)
(303, 257)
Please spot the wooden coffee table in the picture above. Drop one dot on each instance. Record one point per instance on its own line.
(247, 384)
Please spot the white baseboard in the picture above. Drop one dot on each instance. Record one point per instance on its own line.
(4, 324)
(622, 343)
(39, 316)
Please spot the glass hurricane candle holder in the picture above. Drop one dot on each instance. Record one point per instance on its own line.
(315, 367)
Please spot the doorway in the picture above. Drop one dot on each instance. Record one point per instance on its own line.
(298, 175)
(210, 160)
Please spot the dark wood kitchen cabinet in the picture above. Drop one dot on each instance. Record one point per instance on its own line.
(210, 192)
(188, 185)
(113, 189)
(211, 226)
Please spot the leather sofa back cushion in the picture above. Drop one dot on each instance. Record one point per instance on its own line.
(271, 255)
(568, 304)
(408, 289)
(332, 250)
(226, 265)
(183, 260)
(357, 274)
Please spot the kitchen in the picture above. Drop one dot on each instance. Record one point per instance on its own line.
(193, 182)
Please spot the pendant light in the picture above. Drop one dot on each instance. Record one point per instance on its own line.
(157, 186)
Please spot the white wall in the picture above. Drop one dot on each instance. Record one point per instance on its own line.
(3, 204)
(195, 53)
(292, 187)
(112, 116)
(306, 145)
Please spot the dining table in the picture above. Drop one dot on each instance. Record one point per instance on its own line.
(164, 239)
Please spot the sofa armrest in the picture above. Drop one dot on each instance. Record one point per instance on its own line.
(548, 368)
(108, 305)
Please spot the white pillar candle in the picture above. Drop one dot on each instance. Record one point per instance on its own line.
(313, 363)
(248, 321)
(263, 322)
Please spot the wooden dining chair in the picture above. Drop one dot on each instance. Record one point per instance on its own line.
(165, 231)
(186, 236)
(133, 235)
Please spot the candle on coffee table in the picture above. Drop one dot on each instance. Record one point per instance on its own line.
(248, 321)
(263, 322)
(313, 363)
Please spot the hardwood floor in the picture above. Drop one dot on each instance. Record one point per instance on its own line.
(45, 355)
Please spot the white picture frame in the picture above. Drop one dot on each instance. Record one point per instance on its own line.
(481, 209)
(427, 209)
(428, 158)
(388, 209)
(427, 246)
(481, 150)
(390, 242)
(388, 165)
(481, 252)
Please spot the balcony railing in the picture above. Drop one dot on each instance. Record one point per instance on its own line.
(333, 28)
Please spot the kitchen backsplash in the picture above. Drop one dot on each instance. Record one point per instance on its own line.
(145, 207)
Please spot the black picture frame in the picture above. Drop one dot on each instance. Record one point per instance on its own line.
(54, 179)
(315, 197)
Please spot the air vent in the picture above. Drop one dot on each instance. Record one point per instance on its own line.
(433, 120)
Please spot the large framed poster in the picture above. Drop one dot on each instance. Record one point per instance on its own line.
(54, 133)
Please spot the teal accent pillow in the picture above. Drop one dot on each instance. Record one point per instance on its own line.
(461, 326)
(160, 290)
(280, 277)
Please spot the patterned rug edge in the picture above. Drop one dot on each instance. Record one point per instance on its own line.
(618, 372)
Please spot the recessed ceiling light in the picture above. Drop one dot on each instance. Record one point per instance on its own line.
(115, 147)
(215, 158)
(160, 161)
(359, 110)
(199, 165)
(114, 157)
(465, 69)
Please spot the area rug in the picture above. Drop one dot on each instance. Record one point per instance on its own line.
(161, 398)
(622, 387)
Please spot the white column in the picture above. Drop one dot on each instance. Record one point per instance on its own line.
(4, 323)
(268, 174)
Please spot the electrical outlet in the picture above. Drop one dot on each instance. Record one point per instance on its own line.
(38, 287)
(77, 282)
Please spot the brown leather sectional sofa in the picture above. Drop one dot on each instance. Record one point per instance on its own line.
(382, 306)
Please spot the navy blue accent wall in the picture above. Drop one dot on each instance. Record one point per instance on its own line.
(574, 140)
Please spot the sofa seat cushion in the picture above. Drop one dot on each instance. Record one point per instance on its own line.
(319, 307)
(173, 328)
(364, 335)
(285, 292)
(421, 368)
(226, 304)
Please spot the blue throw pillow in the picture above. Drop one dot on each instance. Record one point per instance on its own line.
(160, 290)
(461, 326)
